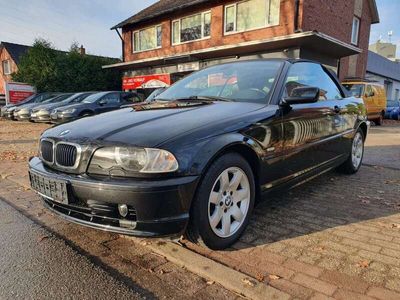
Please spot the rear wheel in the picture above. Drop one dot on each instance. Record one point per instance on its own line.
(379, 121)
(353, 163)
(223, 203)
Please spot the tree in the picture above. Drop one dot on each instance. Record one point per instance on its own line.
(51, 70)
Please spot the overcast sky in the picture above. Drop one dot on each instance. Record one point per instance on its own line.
(89, 22)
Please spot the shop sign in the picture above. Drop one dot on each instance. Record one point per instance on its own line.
(146, 82)
(17, 92)
(189, 67)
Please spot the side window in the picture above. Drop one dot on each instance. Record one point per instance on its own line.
(112, 98)
(369, 92)
(131, 97)
(313, 75)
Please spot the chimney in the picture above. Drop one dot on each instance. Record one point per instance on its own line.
(82, 50)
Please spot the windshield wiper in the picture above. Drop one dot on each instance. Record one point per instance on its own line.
(204, 98)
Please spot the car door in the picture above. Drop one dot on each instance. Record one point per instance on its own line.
(108, 102)
(312, 132)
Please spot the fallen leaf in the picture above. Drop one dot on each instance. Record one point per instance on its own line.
(274, 277)
(260, 277)
(320, 249)
(364, 264)
(42, 238)
(248, 281)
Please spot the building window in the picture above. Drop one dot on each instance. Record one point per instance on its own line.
(191, 28)
(6, 67)
(355, 31)
(147, 39)
(251, 14)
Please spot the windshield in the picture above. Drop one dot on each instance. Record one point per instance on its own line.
(57, 99)
(43, 97)
(249, 81)
(355, 90)
(93, 98)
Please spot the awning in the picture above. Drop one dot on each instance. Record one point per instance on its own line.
(310, 40)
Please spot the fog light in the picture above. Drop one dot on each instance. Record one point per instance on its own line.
(123, 210)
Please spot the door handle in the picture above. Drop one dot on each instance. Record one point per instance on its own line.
(337, 109)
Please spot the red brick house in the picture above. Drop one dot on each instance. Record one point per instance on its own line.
(10, 55)
(173, 37)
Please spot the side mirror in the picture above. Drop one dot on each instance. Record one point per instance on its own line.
(302, 95)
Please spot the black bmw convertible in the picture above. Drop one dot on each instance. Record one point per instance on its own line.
(198, 158)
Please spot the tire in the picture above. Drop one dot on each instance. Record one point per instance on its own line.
(351, 166)
(379, 121)
(217, 236)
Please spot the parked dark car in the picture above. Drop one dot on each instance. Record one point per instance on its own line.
(393, 110)
(42, 112)
(7, 111)
(23, 112)
(197, 159)
(94, 104)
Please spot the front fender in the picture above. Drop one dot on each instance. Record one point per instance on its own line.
(204, 152)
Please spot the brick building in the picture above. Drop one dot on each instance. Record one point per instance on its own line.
(10, 55)
(173, 37)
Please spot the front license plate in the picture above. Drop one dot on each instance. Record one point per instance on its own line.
(55, 190)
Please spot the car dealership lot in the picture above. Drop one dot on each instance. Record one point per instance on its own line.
(334, 236)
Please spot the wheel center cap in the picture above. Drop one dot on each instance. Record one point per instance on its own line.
(228, 200)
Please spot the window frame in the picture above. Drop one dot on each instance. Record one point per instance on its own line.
(143, 29)
(235, 4)
(4, 62)
(203, 13)
(357, 37)
(324, 69)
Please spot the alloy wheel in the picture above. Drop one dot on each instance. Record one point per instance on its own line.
(357, 150)
(229, 202)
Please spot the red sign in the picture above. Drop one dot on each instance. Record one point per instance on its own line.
(17, 92)
(146, 82)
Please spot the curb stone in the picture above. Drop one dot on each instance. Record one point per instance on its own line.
(216, 272)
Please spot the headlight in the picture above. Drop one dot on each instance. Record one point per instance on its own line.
(125, 161)
(69, 111)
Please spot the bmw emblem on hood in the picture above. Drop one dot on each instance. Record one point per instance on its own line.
(65, 132)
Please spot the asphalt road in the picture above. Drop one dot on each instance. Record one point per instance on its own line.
(36, 265)
(382, 147)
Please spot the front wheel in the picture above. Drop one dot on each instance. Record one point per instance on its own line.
(353, 163)
(223, 203)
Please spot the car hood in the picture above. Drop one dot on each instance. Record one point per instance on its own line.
(28, 106)
(76, 106)
(50, 106)
(152, 124)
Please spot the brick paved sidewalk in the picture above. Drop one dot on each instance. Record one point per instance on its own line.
(336, 236)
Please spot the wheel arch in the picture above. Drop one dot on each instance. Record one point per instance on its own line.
(364, 127)
(83, 112)
(245, 147)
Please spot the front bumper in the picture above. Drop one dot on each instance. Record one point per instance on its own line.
(57, 118)
(159, 207)
(22, 117)
(40, 118)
